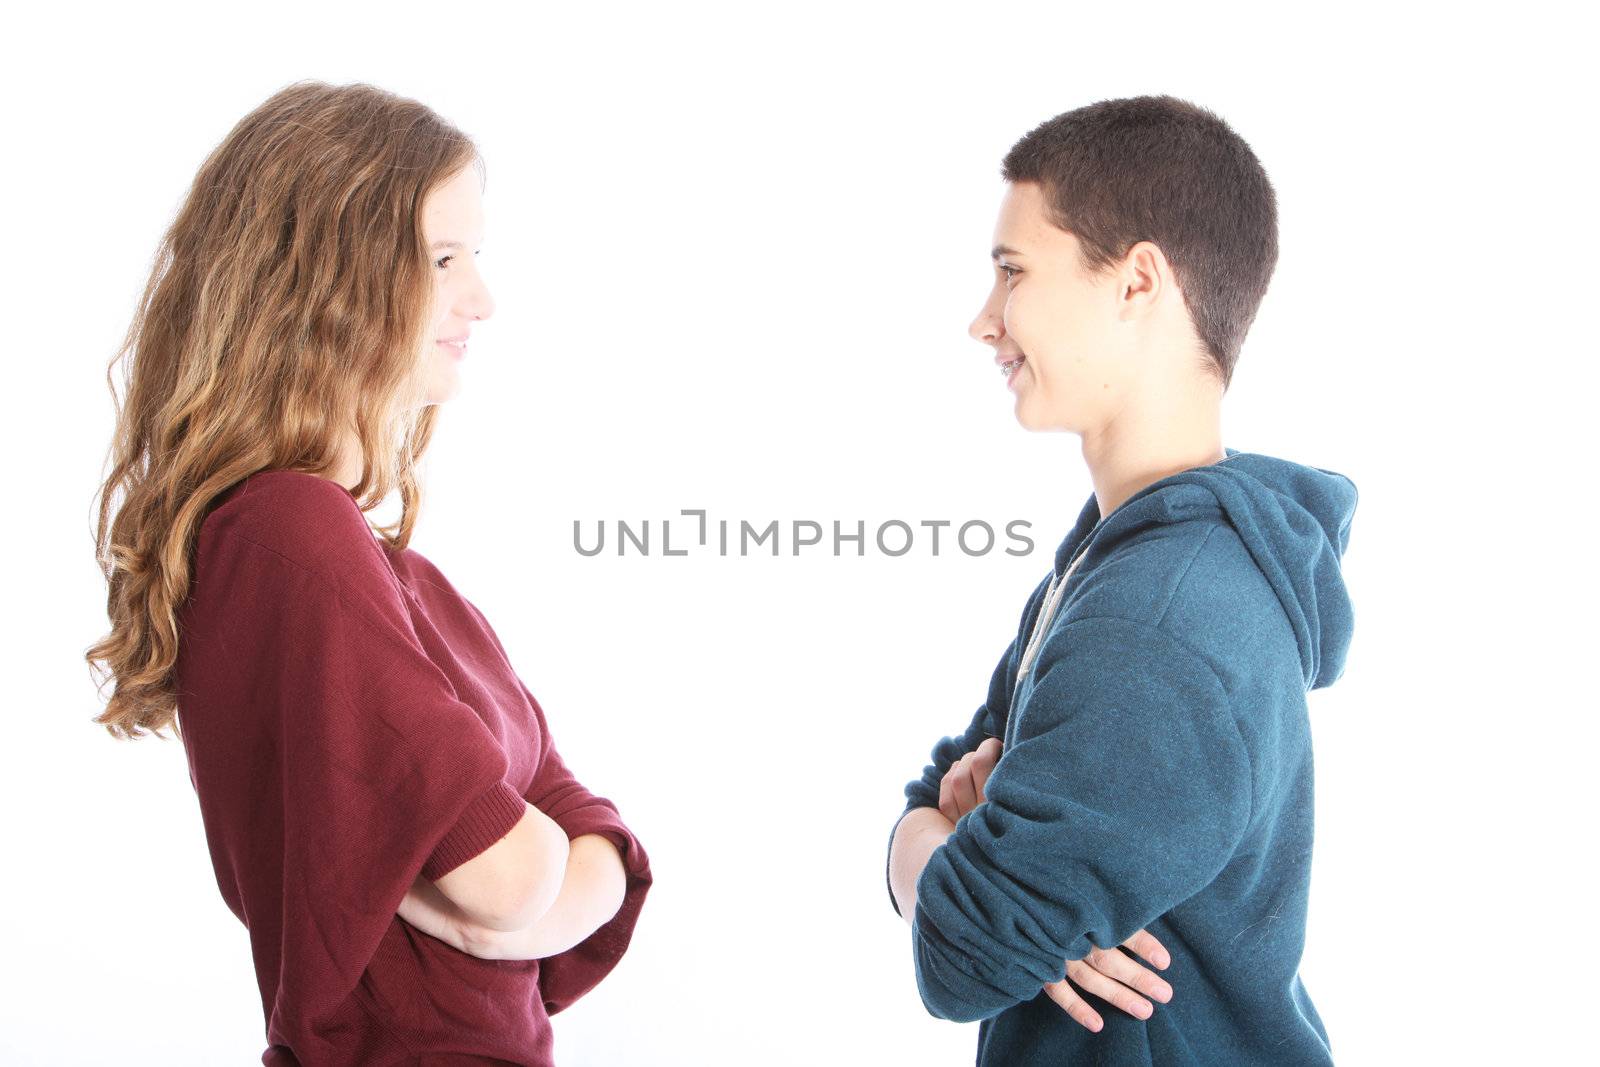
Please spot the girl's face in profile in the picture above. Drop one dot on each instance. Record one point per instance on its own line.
(452, 223)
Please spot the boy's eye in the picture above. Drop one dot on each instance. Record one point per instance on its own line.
(1009, 271)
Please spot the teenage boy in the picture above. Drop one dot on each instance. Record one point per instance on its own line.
(1140, 774)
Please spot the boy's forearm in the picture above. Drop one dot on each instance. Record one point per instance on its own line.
(920, 832)
(591, 893)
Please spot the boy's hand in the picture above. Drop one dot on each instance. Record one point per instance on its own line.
(961, 788)
(1113, 976)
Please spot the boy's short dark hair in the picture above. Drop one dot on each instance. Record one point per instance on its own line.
(1161, 169)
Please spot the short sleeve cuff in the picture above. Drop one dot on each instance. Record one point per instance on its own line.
(486, 820)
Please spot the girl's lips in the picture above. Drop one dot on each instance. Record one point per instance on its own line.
(458, 349)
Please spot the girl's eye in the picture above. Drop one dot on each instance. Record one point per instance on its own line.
(441, 262)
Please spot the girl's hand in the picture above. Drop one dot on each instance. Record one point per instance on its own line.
(1114, 976)
(961, 788)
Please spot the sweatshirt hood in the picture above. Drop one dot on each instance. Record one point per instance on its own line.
(1293, 519)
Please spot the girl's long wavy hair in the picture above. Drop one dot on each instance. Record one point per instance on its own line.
(287, 309)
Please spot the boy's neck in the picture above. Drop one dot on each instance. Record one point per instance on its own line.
(1153, 438)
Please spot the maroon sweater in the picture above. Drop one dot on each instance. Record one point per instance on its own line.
(350, 720)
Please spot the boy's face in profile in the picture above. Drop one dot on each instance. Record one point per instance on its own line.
(1046, 312)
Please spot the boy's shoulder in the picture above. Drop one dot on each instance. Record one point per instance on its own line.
(1189, 579)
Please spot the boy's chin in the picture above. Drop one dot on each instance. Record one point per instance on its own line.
(1031, 417)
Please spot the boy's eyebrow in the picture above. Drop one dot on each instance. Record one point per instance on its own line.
(1003, 250)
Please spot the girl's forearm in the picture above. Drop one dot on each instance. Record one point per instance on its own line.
(591, 893)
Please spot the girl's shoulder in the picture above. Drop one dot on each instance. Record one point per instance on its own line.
(308, 520)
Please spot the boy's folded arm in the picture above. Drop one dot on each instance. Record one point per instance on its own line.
(1125, 790)
(923, 792)
(988, 721)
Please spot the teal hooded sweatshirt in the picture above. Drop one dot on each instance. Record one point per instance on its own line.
(1156, 773)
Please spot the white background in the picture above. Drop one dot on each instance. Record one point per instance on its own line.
(735, 251)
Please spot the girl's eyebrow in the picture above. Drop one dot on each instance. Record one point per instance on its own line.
(447, 244)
